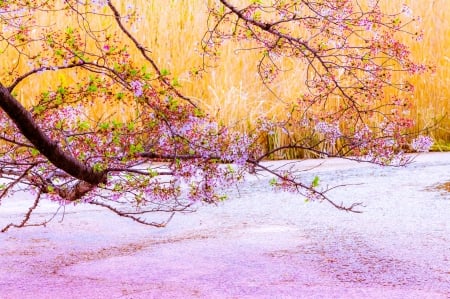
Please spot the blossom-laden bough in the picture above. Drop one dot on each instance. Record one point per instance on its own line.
(164, 153)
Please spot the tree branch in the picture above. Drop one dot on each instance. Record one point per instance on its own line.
(133, 215)
(41, 69)
(47, 147)
(144, 51)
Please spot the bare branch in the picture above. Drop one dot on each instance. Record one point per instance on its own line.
(144, 52)
(26, 217)
(41, 69)
(133, 216)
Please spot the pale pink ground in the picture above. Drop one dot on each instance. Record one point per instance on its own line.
(259, 244)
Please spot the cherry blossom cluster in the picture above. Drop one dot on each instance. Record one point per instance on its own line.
(330, 131)
(422, 143)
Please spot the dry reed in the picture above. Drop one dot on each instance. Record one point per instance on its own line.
(233, 92)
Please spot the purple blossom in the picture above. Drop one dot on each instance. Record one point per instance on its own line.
(331, 131)
(366, 23)
(422, 143)
(407, 10)
(99, 3)
(137, 88)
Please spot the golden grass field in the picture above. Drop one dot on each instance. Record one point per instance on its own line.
(172, 30)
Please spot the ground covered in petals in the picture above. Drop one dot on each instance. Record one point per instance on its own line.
(258, 244)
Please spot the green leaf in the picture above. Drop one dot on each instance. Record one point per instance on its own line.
(366, 57)
(92, 88)
(116, 124)
(59, 52)
(222, 10)
(175, 82)
(116, 139)
(84, 125)
(273, 182)
(257, 15)
(98, 167)
(147, 76)
(117, 187)
(315, 182)
(39, 109)
(153, 173)
(59, 124)
(120, 95)
(165, 72)
(131, 125)
(50, 41)
(136, 148)
(173, 104)
(222, 197)
(138, 197)
(34, 152)
(104, 126)
(198, 112)
(69, 30)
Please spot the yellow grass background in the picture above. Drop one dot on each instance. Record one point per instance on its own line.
(172, 30)
(233, 89)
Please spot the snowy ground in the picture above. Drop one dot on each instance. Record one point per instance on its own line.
(260, 244)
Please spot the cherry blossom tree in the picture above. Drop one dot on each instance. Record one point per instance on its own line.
(168, 153)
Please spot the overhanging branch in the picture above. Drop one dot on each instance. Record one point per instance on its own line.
(47, 147)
